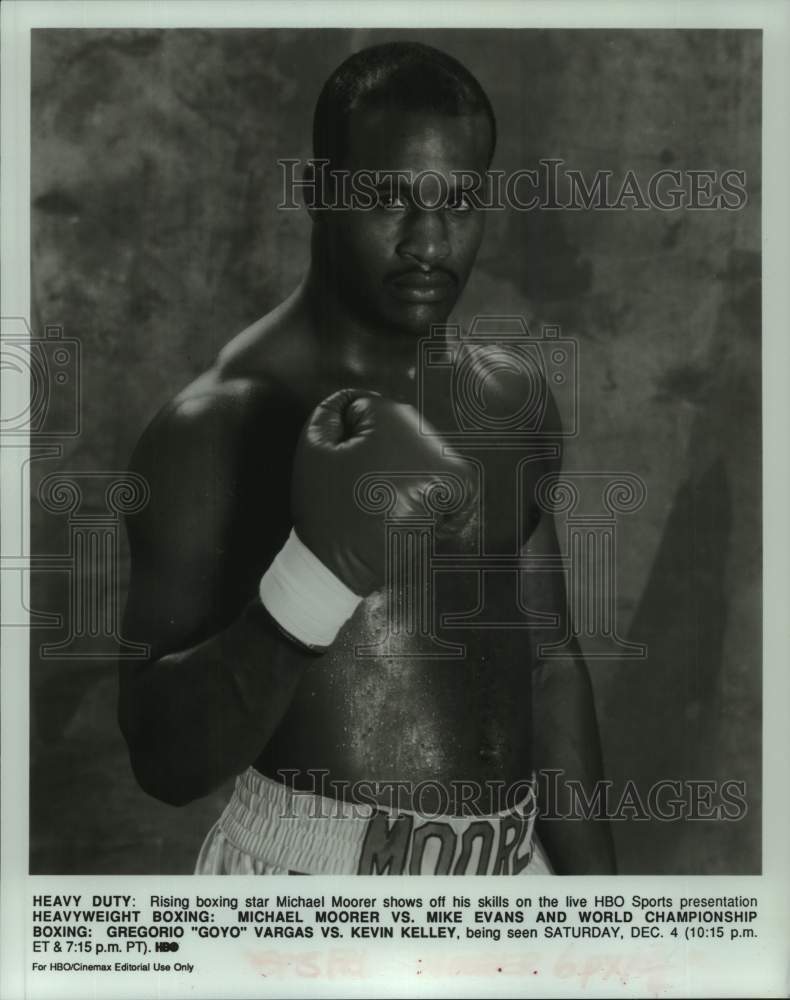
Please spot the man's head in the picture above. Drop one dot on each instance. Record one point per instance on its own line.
(395, 76)
(416, 119)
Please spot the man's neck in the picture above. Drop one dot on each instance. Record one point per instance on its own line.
(384, 361)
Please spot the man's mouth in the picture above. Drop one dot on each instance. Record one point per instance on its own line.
(422, 286)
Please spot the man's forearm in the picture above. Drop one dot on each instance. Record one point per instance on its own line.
(568, 760)
(194, 718)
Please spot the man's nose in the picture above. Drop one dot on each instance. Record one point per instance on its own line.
(425, 240)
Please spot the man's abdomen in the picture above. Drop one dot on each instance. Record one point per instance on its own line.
(444, 715)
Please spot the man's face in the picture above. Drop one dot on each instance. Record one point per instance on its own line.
(404, 263)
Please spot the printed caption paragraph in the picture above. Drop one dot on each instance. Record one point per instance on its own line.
(157, 933)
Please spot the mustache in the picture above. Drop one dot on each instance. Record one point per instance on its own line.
(425, 272)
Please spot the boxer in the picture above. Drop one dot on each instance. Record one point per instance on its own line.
(262, 574)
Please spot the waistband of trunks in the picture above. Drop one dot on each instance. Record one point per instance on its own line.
(314, 834)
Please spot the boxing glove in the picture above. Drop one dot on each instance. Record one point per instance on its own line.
(336, 554)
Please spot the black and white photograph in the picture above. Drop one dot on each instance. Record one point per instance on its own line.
(394, 463)
(537, 285)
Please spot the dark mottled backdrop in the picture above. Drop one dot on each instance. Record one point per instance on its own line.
(156, 238)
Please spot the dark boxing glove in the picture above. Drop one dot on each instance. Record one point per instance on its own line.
(336, 554)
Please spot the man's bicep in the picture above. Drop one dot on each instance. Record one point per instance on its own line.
(178, 540)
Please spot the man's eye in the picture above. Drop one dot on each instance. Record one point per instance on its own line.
(459, 203)
(391, 202)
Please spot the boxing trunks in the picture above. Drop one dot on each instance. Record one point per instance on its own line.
(268, 828)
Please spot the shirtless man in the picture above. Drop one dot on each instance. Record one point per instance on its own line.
(259, 579)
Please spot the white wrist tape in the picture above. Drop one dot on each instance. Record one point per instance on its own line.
(304, 597)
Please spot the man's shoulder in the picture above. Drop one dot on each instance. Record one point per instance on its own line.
(216, 400)
(210, 422)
